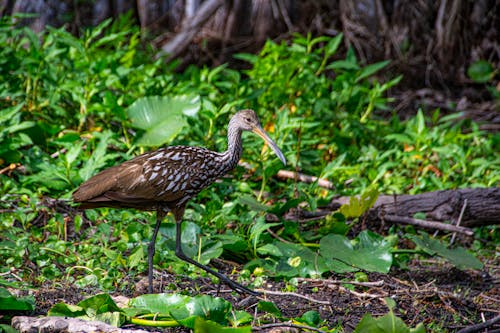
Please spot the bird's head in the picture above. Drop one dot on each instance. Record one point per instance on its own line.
(247, 120)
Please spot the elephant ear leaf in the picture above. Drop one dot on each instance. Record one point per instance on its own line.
(161, 118)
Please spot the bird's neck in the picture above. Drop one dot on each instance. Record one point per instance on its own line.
(234, 148)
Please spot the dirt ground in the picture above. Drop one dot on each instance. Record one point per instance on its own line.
(431, 292)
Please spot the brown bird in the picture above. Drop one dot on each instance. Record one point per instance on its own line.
(166, 179)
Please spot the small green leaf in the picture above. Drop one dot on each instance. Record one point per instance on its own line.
(311, 318)
(357, 206)
(136, 257)
(269, 307)
(333, 44)
(371, 69)
(239, 317)
(481, 71)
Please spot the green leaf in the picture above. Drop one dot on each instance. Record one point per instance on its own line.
(269, 307)
(207, 326)
(100, 303)
(239, 317)
(371, 253)
(388, 323)
(294, 260)
(371, 69)
(162, 118)
(481, 71)
(357, 206)
(458, 256)
(252, 203)
(7, 329)
(333, 44)
(66, 310)
(184, 309)
(311, 318)
(10, 303)
(257, 229)
(136, 257)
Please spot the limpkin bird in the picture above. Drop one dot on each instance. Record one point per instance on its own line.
(166, 179)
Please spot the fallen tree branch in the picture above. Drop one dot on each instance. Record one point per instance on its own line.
(483, 206)
(427, 224)
(61, 324)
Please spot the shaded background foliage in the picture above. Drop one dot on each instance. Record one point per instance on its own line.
(431, 42)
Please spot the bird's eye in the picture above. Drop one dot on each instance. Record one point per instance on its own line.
(248, 120)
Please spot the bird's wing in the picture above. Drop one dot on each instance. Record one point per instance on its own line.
(167, 175)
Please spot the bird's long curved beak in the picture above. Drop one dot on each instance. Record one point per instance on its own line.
(260, 132)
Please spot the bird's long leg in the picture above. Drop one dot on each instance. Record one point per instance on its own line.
(180, 254)
(160, 214)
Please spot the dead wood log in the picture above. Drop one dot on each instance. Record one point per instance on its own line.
(482, 208)
(25, 324)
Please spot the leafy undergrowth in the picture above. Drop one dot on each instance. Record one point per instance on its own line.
(70, 107)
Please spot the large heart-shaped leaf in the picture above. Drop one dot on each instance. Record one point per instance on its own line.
(184, 309)
(161, 118)
(371, 253)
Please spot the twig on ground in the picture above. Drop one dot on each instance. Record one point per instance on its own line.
(358, 294)
(379, 283)
(286, 174)
(427, 224)
(481, 326)
(302, 327)
(289, 293)
(11, 167)
(459, 220)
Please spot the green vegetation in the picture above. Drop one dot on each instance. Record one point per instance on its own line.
(70, 107)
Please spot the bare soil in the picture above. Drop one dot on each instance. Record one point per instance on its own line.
(431, 292)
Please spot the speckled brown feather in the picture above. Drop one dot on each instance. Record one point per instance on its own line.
(168, 176)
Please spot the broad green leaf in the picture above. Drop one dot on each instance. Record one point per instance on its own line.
(161, 118)
(184, 309)
(10, 303)
(371, 253)
(66, 310)
(158, 303)
(458, 256)
(207, 326)
(388, 323)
